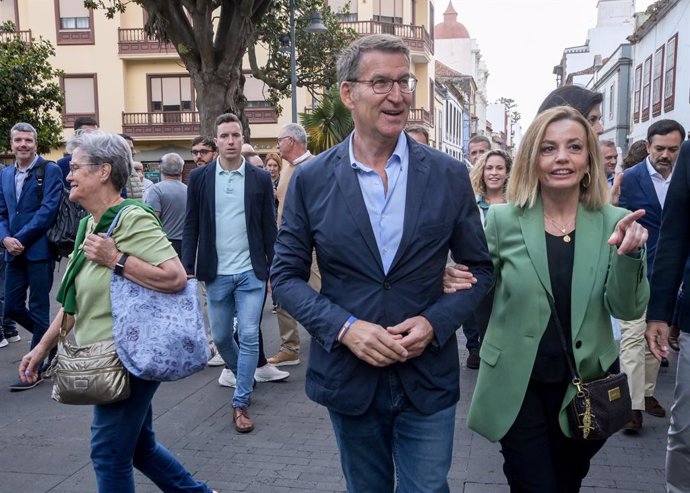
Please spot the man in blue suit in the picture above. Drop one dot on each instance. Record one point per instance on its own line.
(645, 186)
(382, 212)
(670, 269)
(29, 200)
(230, 220)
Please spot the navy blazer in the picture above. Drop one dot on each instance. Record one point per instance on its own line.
(200, 222)
(637, 192)
(325, 210)
(673, 254)
(28, 220)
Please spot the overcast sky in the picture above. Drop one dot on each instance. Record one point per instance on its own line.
(522, 40)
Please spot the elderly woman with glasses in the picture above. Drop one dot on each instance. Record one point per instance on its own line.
(121, 432)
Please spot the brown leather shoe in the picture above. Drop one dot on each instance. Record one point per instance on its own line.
(635, 424)
(243, 423)
(652, 406)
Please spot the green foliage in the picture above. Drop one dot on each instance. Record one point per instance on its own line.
(29, 91)
(316, 53)
(328, 123)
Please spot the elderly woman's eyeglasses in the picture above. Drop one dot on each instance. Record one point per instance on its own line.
(74, 167)
(384, 85)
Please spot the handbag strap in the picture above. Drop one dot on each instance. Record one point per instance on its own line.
(564, 345)
(116, 219)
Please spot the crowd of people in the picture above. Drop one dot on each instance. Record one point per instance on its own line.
(381, 248)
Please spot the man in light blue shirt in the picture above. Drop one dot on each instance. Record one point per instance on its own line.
(230, 221)
(644, 186)
(382, 211)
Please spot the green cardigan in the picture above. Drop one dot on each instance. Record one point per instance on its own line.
(604, 284)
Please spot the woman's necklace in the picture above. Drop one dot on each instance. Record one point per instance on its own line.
(563, 228)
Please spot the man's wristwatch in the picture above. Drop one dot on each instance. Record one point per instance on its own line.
(120, 266)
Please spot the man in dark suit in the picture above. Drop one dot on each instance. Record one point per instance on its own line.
(645, 186)
(230, 220)
(29, 200)
(672, 257)
(81, 124)
(382, 212)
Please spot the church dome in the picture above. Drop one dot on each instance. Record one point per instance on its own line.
(450, 28)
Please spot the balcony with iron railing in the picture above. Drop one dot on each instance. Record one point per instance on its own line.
(181, 123)
(24, 36)
(416, 38)
(135, 41)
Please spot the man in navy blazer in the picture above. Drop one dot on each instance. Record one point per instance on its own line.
(670, 269)
(382, 212)
(645, 186)
(228, 238)
(27, 210)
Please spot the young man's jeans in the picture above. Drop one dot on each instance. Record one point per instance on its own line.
(393, 443)
(242, 294)
(36, 277)
(122, 436)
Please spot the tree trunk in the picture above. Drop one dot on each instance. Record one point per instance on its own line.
(216, 95)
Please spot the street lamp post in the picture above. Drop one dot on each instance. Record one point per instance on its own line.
(315, 26)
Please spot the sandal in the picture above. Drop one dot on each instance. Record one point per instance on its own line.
(673, 338)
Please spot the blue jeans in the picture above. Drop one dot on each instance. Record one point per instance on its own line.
(242, 294)
(122, 436)
(36, 277)
(394, 447)
(8, 325)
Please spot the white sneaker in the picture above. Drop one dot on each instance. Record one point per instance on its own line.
(3, 342)
(269, 373)
(217, 360)
(227, 378)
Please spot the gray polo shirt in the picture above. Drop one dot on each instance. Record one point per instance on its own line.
(169, 198)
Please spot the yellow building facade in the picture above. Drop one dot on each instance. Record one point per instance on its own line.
(130, 84)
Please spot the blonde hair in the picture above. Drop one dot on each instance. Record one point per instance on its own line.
(477, 173)
(524, 188)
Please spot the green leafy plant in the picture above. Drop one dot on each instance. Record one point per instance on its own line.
(29, 91)
(328, 123)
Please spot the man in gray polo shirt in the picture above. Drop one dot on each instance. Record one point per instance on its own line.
(169, 198)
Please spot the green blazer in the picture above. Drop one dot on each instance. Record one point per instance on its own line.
(604, 284)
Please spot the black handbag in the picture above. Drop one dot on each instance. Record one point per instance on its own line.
(601, 407)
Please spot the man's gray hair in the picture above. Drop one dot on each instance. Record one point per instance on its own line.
(24, 127)
(297, 132)
(607, 143)
(347, 66)
(172, 164)
(101, 148)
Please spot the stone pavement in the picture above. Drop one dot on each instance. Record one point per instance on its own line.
(44, 446)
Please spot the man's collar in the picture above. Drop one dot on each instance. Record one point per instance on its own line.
(400, 152)
(33, 163)
(241, 170)
(654, 172)
(301, 159)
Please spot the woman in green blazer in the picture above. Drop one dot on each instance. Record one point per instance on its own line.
(557, 234)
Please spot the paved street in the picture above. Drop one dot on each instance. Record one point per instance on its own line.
(44, 446)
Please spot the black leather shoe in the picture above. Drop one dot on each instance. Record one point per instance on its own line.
(473, 361)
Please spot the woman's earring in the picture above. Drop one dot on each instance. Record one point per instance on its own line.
(589, 180)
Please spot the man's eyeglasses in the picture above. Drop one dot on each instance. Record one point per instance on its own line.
(281, 138)
(383, 85)
(200, 152)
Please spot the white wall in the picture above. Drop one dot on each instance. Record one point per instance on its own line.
(676, 20)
